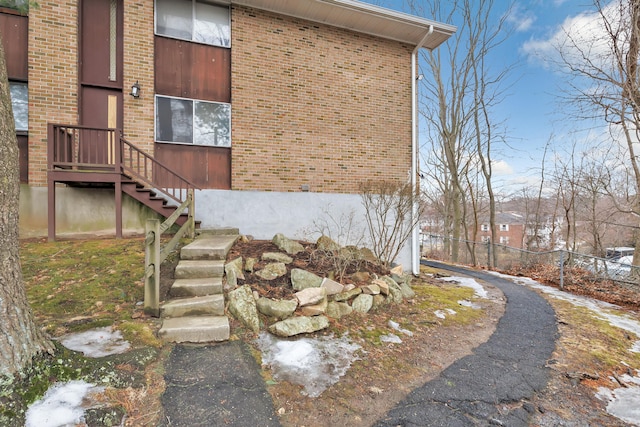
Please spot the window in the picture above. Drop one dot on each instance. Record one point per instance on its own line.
(504, 227)
(504, 240)
(20, 105)
(194, 20)
(484, 227)
(195, 122)
(485, 239)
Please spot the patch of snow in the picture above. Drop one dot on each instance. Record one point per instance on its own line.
(468, 282)
(467, 303)
(391, 338)
(396, 326)
(442, 314)
(314, 363)
(98, 342)
(61, 406)
(623, 401)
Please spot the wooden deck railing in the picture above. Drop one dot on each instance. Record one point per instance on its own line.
(89, 149)
(155, 254)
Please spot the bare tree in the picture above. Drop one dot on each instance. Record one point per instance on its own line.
(456, 101)
(20, 338)
(604, 84)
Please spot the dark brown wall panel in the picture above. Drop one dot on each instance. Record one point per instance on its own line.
(95, 43)
(207, 167)
(192, 70)
(15, 36)
(23, 147)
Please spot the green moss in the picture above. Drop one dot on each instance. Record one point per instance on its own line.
(446, 296)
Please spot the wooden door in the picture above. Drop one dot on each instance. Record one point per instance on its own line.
(101, 85)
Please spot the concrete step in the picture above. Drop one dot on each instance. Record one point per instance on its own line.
(198, 329)
(196, 287)
(192, 269)
(222, 231)
(209, 305)
(208, 247)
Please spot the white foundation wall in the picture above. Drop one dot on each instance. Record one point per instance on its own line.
(300, 216)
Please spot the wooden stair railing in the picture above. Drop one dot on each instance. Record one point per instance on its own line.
(84, 154)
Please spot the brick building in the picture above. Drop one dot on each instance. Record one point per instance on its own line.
(275, 110)
(510, 230)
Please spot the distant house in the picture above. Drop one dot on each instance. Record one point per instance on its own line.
(510, 230)
(274, 111)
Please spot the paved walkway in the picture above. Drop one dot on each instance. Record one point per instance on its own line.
(221, 385)
(490, 386)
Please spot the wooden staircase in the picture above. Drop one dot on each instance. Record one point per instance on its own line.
(196, 311)
(96, 157)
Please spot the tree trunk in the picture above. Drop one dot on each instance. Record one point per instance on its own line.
(20, 339)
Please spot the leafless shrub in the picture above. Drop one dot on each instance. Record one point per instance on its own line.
(392, 210)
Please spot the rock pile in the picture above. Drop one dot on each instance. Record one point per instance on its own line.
(316, 298)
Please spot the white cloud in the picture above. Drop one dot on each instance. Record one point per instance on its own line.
(584, 30)
(520, 19)
(500, 167)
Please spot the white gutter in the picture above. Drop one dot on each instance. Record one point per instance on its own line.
(415, 235)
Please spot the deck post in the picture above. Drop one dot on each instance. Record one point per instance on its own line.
(152, 268)
(119, 207)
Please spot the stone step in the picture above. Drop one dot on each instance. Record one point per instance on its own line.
(192, 269)
(208, 247)
(198, 329)
(196, 287)
(209, 305)
(222, 231)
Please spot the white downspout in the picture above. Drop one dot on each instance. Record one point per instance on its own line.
(415, 235)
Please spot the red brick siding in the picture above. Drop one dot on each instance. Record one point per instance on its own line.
(316, 105)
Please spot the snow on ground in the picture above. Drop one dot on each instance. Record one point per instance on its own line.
(623, 403)
(61, 406)
(98, 342)
(314, 363)
(64, 404)
(468, 282)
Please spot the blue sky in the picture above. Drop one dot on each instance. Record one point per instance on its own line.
(531, 110)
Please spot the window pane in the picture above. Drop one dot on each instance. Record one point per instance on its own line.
(174, 18)
(20, 104)
(211, 25)
(174, 120)
(212, 124)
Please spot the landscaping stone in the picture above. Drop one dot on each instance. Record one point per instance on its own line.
(315, 309)
(272, 271)
(336, 310)
(302, 279)
(280, 309)
(277, 257)
(299, 325)
(407, 292)
(233, 271)
(243, 307)
(285, 244)
(347, 295)
(379, 300)
(361, 276)
(383, 285)
(325, 243)
(310, 296)
(249, 265)
(332, 286)
(371, 289)
(362, 303)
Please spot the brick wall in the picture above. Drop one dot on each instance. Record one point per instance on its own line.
(316, 105)
(53, 66)
(138, 65)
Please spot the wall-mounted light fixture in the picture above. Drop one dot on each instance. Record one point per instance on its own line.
(135, 90)
(420, 77)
